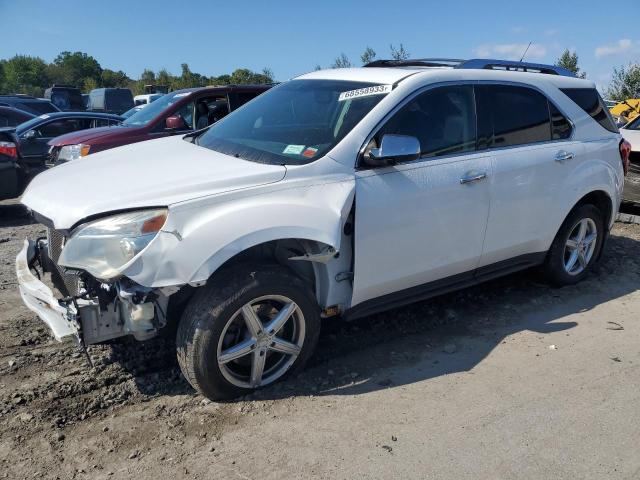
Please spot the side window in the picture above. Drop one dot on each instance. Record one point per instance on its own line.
(560, 126)
(520, 115)
(443, 120)
(243, 97)
(589, 100)
(60, 127)
(186, 113)
(100, 122)
(210, 109)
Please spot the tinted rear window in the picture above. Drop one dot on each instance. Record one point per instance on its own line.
(40, 107)
(519, 115)
(589, 100)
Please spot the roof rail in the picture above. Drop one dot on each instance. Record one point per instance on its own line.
(17, 95)
(475, 63)
(417, 62)
(514, 66)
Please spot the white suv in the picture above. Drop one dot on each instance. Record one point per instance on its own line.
(341, 192)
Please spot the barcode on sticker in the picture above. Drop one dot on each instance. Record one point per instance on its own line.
(365, 92)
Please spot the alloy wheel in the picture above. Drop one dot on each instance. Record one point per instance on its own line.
(580, 246)
(261, 341)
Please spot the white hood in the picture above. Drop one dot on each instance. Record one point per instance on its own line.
(148, 174)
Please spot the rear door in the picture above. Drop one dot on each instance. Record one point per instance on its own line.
(423, 221)
(531, 150)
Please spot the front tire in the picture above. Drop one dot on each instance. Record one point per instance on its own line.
(576, 246)
(247, 328)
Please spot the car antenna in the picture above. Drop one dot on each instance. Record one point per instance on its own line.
(525, 52)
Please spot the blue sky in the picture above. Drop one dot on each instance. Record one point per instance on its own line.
(291, 37)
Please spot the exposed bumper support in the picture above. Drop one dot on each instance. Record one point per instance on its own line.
(60, 318)
(83, 319)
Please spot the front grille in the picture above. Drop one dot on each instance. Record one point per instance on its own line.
(67, 284)
(52, 157)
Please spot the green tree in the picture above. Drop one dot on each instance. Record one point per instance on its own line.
(163, 77)
(25, 74)
(72, 68)
(88, 84)
(111, 79)
(221, 80)
(341, 62)
(625, 83)
(399, 53)
(188, 78)
(569, 60)
(2, 81)
(368, 55)
(245, 76)
(148, 77)
(267, 75)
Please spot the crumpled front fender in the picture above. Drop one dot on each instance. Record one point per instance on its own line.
(201, 236)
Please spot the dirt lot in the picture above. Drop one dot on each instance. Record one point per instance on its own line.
(512, 379)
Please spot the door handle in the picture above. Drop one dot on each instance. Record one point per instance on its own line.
(563, 156)
(473, 177)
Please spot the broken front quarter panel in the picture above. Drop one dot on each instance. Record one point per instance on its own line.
(202, 234)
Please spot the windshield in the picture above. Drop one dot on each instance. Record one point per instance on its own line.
(154, 109)
(294, 123)
(131, 111)
(29, 124)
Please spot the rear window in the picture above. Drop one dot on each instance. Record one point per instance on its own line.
(589, 100)
(40, 107)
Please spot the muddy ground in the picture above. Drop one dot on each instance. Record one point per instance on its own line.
(511, 379)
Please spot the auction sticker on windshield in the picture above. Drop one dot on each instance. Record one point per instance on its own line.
(293, 149)
(365, 92)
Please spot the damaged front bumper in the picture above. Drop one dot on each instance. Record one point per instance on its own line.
(85, 319)
(60, 316)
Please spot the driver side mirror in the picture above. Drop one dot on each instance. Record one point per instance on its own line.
(174, 122)
(30, 135)
(393, 149)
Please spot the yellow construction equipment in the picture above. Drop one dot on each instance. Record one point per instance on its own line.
(626, 110)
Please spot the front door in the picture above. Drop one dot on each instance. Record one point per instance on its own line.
(423, 221)
(36, 146)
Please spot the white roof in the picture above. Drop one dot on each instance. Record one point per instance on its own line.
(368, 74)
(390, 75)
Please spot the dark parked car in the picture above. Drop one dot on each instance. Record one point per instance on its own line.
(10, 117)
(65, 97)
(110, 100)
(30, 104)
(24, 149)
(178, 112)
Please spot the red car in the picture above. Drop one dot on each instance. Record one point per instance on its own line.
(178, 112)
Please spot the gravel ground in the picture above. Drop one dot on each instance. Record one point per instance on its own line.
(511, 379)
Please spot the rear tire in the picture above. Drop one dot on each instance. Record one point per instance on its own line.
(576, 247)
(229, 339)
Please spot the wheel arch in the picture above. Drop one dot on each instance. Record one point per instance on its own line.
(600, 199)
(316, 259)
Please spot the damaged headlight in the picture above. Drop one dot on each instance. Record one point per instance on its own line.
(73, 152)
(103, 247)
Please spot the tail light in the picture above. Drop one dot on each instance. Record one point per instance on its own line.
(625, 153)
(9, 149)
